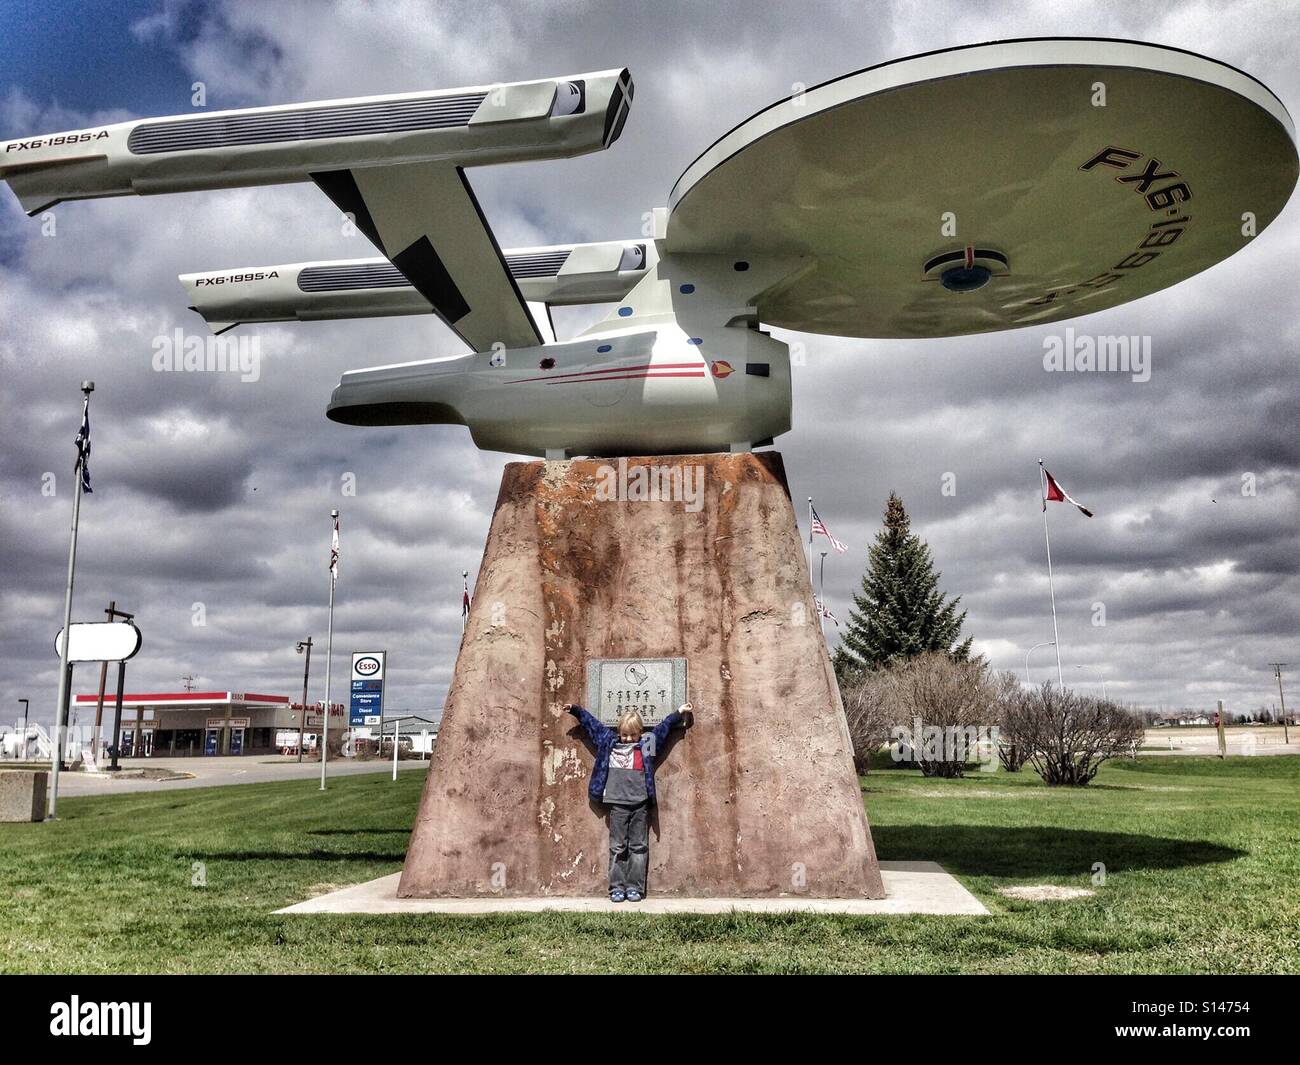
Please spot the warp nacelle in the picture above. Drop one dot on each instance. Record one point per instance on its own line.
(554, 276)
(484, 124)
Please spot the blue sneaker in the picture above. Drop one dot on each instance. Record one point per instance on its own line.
(616, 896)
(634, 896)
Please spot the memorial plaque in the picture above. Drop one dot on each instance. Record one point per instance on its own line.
(653, 687)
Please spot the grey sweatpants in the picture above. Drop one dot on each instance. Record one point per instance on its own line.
(629, 846)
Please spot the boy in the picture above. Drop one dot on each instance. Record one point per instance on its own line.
(623, 777)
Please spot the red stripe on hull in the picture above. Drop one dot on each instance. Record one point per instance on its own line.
(627, 377)
(612, 370)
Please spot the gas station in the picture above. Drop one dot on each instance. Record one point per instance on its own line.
(178, 724)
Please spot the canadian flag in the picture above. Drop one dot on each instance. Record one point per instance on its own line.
(1056, 494)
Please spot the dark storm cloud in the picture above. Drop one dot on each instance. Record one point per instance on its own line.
(210, 515)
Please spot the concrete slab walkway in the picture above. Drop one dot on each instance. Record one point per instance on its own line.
(910, 887)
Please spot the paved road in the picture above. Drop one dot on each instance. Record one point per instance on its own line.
(1256, 741)
(216, 771)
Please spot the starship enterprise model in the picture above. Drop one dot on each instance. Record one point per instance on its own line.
(961, 191)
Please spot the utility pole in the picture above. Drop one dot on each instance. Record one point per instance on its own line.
(26, 708)
(1277, 672)
(304, 646)
(188, 681)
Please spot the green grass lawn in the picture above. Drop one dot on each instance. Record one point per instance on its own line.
(1202, 875)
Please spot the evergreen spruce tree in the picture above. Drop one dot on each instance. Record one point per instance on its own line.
(901, 611)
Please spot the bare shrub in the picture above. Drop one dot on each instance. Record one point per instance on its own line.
(1012, 752)
(869, 716)
(1069, 735)
(940, 709)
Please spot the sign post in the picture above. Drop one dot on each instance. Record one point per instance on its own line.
(113, 767)
(396, 722)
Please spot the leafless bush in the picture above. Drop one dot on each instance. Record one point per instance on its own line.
(937, 711)
(948, 705)
(1012, 753)
(1069, 735)
(869, 716)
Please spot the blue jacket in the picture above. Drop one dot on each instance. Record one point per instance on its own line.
(603, 739)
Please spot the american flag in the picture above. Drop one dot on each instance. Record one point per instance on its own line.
(825, 612)
(334, 551)
(819, 526)
(83, 447)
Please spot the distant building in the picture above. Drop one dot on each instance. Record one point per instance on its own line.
(205, 723)
(415, 732)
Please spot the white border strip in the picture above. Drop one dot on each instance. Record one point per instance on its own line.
(962, 61)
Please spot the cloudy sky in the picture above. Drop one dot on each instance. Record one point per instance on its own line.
(212, 495)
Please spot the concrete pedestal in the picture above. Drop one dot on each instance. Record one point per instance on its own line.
(22, 794)
(759, 799)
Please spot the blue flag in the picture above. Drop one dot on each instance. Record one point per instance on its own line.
(83, 448)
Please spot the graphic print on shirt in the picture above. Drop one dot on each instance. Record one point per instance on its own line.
(626, 756)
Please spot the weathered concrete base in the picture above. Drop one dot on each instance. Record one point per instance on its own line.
(760, 798)
(22, 794)
(910, 887)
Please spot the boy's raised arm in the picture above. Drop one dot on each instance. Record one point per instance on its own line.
(592, 726)
(677, 717)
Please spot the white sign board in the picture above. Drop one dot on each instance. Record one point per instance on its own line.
(100, 641)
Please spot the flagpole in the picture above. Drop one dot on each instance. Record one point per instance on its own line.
(810, 536)
(329, 661)
(65, 681)
(821, 596)
(464, 614)
(1056, 637)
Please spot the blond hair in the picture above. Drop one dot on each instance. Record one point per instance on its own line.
(630, 720)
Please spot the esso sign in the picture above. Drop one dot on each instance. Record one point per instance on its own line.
(368, 665)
